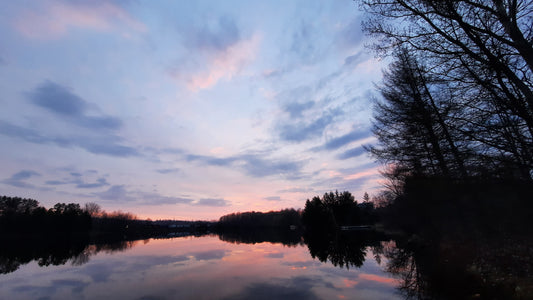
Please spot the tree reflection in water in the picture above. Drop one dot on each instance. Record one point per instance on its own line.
(428, 267)
(447, 268)
(271, 235)
(342, 249)
(54, 250)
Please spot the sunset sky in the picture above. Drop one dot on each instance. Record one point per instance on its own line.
(185, 109)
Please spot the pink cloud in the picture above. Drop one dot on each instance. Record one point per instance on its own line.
(350, 283)
(221, 65)
(367, 173)
(54, 19)
(380, 279)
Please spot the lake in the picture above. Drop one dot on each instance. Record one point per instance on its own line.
(204, 267)
(269, 264)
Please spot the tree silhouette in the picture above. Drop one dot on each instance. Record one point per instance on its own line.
(335, 209)
(481, 57)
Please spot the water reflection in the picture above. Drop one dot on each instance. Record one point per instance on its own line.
(274, 266)
(343, 249)
(340, 249)
(254, 236)
(269, 265)
(54, 250)
(496, 267)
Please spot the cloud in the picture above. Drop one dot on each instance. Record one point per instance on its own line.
(351, 179)
(121, 194)
(295, 109)
(380, 279)
(258, 167)
(304, 46)
(24, 174)
(294, 288)
(172, 151)
(355, 59)
(78, 182)
(107, 144)
(215, 67)
(115, 192)
(273, 198)
(58, 99)
(354, 152)
(252, 164)
(351, 35)
(157, 199)
(302, 130)
(301, 264)
(275, 255)
(54, 19)
(28, 135)
(17, 179)
(77, 285)
(219, 37)
(61, 101)
(55, 182)
(338, 142)
(210, 160)
(296, 190)
(212, 202)
(216, 51)
(100, 182)
(210, 254)
(168, 171)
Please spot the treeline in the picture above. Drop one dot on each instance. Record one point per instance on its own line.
(337, 209)
(20, 215)
(457, 100)
(330, 212)
(281, 219)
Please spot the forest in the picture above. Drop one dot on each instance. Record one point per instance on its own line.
(26, 218)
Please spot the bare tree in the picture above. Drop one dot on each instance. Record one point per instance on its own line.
(483, 51)
(93, 209)
(412, 123)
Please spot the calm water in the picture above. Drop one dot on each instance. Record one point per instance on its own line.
(199, 268)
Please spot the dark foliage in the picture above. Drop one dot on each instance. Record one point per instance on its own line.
(342, 249)
(458, 98)
(18, 215)
(439, 205)
(486, 266)
(261, 235)
(334, 210)
(278, 219)
(56, 249)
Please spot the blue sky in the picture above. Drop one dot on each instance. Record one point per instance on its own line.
(186, 110)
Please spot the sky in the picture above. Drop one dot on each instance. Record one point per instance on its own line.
(185, 109)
